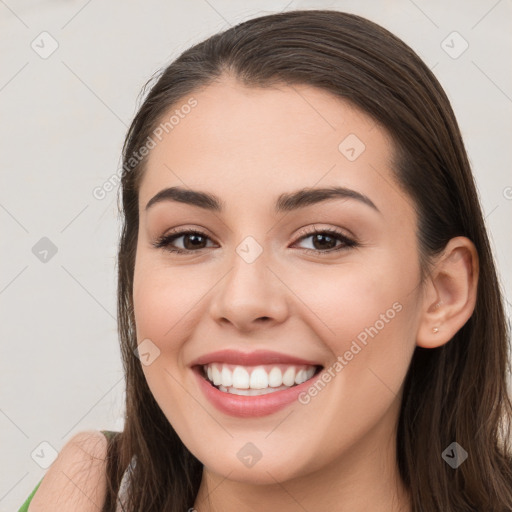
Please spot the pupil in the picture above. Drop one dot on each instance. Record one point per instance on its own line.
(320, 237)
(192, 237)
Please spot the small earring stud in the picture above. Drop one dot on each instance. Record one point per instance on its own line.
(435, 330)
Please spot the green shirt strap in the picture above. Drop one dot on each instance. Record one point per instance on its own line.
(24, 507)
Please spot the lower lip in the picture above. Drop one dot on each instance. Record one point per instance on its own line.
(250, 406)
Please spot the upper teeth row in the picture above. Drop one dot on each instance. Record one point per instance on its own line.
(239, 377)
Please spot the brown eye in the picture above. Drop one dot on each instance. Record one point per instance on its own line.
(192, 241)
(327, 241)
(323, 242)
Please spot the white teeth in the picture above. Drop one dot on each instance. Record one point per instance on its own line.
(240, 378)
(275, 378)
(251, 392)
(260, 379)
(300, 377)
(289, 376)
(309, 373)
(217, 379)
(227, 377)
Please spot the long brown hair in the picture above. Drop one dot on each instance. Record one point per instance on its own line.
(456, 392)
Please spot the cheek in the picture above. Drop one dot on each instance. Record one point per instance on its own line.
(367, 315)
(371, 313)
(166, 300)
(164, 306)
(348, 299)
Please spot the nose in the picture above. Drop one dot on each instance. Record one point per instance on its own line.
(250, 296)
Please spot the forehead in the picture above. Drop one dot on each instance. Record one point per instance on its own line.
(244, 143)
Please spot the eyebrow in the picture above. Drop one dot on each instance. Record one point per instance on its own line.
(285, 202)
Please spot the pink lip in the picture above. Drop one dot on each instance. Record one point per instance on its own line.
(254, 358)
(249, 406)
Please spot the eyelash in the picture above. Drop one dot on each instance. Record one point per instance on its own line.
(165, 241)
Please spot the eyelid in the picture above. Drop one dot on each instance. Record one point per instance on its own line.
(322, 228)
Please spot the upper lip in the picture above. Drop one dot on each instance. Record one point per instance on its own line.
(254, 358)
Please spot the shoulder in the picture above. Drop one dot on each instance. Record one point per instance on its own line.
(76, 480)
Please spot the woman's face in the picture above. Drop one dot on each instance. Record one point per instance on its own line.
(257, 278)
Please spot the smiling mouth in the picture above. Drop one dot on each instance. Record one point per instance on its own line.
(256, 380)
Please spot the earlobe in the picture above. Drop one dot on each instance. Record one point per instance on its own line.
(450, 293)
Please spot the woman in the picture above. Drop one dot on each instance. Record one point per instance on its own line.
(309, 311)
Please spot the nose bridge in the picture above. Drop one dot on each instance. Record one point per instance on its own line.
(250, 291)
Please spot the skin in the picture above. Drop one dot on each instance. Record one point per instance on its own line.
(248, 146)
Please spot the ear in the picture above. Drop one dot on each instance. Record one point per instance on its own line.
(449, 294)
